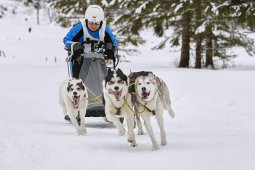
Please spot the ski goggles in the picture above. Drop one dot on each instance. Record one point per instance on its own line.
(95, 23)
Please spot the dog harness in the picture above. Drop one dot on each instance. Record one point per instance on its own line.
(145, 108)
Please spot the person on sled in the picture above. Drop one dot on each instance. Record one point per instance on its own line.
(93, 27)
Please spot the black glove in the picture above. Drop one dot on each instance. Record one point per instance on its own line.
(78, 52)
(77, 49)
(108, 54)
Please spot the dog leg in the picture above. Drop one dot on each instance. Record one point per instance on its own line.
(139, 125)
(147, 124)
(83, 130)
(74, 120)
(131, 135)
(160, 121)
(165, 96)
(116, 122)
(75, 123)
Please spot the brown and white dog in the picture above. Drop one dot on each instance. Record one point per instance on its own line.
(73, 99)
(118, 103)
(151, 98)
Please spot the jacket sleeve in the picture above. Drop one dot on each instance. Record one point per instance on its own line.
(109, 37)
(74, 35)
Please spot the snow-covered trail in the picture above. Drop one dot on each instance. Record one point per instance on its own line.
(213, 128)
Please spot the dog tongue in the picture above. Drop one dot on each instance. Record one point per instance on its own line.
(145, 95)
(117, 93)
(76, 100)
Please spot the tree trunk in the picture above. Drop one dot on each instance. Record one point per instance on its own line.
(38, 16)
(185, 24)
(198, 37)
(209, 47)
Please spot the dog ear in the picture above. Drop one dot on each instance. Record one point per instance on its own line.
(109, 71)
(81, 81)
(119, 71)
(151, 75)
(69, 86)
(81, 85)
(122, 75)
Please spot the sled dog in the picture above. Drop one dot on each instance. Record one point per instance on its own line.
(118, 103)
(73, 99)
(151, 98)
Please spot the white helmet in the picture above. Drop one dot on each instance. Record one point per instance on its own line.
(94, 13)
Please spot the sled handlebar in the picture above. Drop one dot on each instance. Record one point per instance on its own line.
(96, 52)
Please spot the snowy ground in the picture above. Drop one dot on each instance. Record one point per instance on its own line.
(213, 128)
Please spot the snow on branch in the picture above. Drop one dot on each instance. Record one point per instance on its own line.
(215, 8)
(178, 7)
(143, 6)
(202, 27)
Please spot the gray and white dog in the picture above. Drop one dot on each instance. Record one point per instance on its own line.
(151, 99)
(73, 99)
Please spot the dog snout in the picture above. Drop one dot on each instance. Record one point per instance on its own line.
(116, 88)
(143, 89)
(74, 93)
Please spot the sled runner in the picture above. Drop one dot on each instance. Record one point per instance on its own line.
(92, 70)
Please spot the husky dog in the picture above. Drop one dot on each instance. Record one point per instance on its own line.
(73, 99)
(118, 103)
(151, 98)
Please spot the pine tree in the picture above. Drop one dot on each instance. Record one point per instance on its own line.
(224, 31)
(209, 28)
(213, 26)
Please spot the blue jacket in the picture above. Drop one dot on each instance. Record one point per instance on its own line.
(76, 35)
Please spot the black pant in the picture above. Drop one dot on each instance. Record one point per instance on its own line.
(77, 63)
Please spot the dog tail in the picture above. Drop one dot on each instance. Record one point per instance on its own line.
(171, 111)
(164, 92)
(167, 105)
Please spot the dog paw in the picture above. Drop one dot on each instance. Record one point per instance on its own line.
(84, 131)
(81, 131)
(163, 143)
(156, 147)
(132, 141)
(140, 132)
(133, 145)
(122, 132)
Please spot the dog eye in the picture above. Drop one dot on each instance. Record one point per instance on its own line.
(139, 83)
(148, 83)
(111, 82)
(79, 89)
(71, 89)
(120, 81)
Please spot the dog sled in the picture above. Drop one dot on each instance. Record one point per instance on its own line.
(93, 69)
